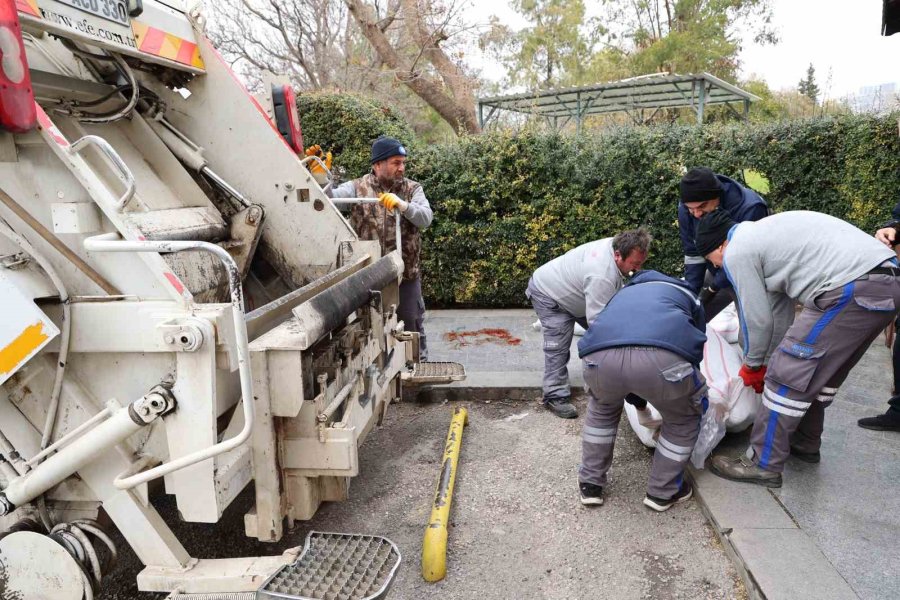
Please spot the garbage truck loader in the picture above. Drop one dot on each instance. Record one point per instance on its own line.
(182, 307)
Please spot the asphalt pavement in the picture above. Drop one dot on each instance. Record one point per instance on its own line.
(519, 531)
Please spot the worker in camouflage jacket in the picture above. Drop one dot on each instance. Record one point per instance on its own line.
(376, 222)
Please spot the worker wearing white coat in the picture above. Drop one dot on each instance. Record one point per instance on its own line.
(849, 286)
(574, 288)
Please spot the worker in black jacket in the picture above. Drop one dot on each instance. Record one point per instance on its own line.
(890, 420)
(703, 191)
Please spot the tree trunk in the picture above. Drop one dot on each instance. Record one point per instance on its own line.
(456, 108)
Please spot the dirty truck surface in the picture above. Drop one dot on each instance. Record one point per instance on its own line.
(517, 527)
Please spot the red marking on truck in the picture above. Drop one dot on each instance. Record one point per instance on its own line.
(186, 52)
(482, 336)
(47, 125)
(176, 283)
(152, 41)
(29, 7)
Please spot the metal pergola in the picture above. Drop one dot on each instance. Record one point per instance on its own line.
(635, 96)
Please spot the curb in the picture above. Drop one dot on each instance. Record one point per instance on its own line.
(775, 558)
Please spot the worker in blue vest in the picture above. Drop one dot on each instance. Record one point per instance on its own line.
(647, 342)
(702, 192)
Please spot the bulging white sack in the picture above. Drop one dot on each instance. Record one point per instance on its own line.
(733, 405)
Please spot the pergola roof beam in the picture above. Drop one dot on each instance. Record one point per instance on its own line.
(712, 93)
(620, 107)
(646, 92)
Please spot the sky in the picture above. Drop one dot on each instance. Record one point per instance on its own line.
(841, 38)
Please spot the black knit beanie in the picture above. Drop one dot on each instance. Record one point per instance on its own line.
(712, 231)
(699, 185)
(386, 147)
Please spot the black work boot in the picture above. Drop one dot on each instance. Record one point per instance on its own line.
(889, 421)
(744, 470)
(561, 407)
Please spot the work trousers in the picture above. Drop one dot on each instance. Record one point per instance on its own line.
(674, 386)
(894, 402)
(558, 327)
(412, 312)
(827, 339)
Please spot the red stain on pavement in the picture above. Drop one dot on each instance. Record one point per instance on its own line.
(482, 336)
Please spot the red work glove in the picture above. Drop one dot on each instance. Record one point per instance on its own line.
(755, 379)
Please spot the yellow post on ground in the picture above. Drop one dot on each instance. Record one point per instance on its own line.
(434, 546)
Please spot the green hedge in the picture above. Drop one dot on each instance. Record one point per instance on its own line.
(507, 202)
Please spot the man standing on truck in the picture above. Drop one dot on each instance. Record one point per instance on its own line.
(702, 192)
(574, 288)
(386, 182)
(648, 342)
(849, 286)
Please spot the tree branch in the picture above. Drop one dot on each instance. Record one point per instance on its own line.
(460, 115)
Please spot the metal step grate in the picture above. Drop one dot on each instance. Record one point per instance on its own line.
(336, 566)
(435, 372)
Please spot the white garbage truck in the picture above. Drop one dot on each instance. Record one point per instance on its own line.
(184, 311)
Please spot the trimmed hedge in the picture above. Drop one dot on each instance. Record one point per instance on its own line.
(506, 202)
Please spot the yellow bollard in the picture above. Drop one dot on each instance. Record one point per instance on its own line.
(434, 546)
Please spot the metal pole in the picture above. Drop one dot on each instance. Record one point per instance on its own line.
(702, 102)
(579, 115)
(434, 546)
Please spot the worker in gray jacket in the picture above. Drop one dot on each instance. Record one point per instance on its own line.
(847, 283)
(574, 288)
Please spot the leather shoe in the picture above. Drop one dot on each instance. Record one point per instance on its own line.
(744, 470)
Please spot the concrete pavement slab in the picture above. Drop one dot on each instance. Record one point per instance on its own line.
(849, 503)
(501, 350)
(732, 506)
(788, 565)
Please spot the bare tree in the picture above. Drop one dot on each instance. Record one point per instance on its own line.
(410, 45)
(408, 38)
(303, 39)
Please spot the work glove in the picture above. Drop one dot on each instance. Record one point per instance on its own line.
(315, 168)
(755, 379)
(391, 201)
